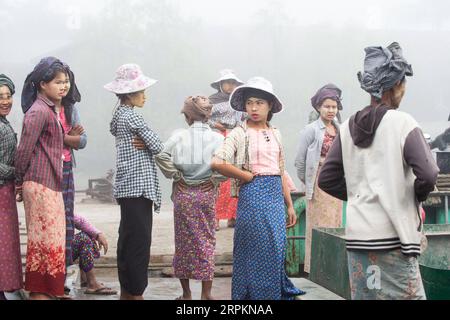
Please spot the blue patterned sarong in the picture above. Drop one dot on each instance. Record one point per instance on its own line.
(69, 199)
(260, 243)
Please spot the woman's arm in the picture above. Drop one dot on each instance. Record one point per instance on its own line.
(33, 125)
(82, 224)
(72, 141)
(292, 217)
(230, 171)
(150, 138)
(76, 123)
(305, 140)
(165, 163)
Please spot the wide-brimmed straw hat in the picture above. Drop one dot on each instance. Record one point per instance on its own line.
(129, 79)
(226, 74)
(237, 99)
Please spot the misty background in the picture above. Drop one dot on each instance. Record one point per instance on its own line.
(298, 45)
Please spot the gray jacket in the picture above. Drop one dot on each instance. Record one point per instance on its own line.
(83, 139)
(308, 155)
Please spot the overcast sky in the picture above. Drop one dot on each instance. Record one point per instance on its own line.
(298, 45)
(372, 14)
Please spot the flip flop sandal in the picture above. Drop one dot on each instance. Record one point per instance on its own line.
(105, 291)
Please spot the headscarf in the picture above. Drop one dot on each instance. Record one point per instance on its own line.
(329, 91)
(383, 68)
(6, 81)
(197, 108)
(42, 69)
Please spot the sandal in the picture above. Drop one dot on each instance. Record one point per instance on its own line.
(181, 298)
(103, 291)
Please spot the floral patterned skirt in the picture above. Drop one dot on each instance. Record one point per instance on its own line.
(46, 225)
(10, 258)
(384, 275)
(323, 211)
(226, 206)
(195, 235)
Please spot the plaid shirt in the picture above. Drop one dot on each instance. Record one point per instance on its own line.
(8, 144)
(227, 116)
(136, 174)
(39, 155)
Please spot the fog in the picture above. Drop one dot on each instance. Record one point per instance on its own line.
(298, 45)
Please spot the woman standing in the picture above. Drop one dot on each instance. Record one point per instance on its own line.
(323, 211)
(39, 173)
(224, 119)
(136, 185)
(254, 157)
(187, 160)
(10, 258)
(74, 139)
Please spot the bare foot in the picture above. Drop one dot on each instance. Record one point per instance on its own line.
(126, 296)
(211, 298)
(40, 296)
(184, 298)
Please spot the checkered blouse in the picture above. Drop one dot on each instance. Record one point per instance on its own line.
(8, 144)
(136, 174)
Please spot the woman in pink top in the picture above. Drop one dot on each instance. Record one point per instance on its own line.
(74, 139)
(254, 157)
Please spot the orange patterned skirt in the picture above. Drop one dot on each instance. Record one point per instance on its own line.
(323, 211)
(226, 206)
(46, 226)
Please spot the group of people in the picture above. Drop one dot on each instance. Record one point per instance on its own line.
(231, 138)
(39, 172)
(228, 164)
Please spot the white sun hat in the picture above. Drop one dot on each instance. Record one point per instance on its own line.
(226, 74)
(238, 96)
(129, 79)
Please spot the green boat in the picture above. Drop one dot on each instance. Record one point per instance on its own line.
(435, 262)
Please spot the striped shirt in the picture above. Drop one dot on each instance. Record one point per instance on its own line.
(39, 155)
(8, 144)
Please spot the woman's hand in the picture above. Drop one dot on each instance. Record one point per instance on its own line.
(102, 242)
(292, 218)
(247, 177)
(220, 127)
(139, 144)
(78, 130)
(19, 195)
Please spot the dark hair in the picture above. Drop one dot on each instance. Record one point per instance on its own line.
(123, 96)
(53, 72)
(270, 116)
